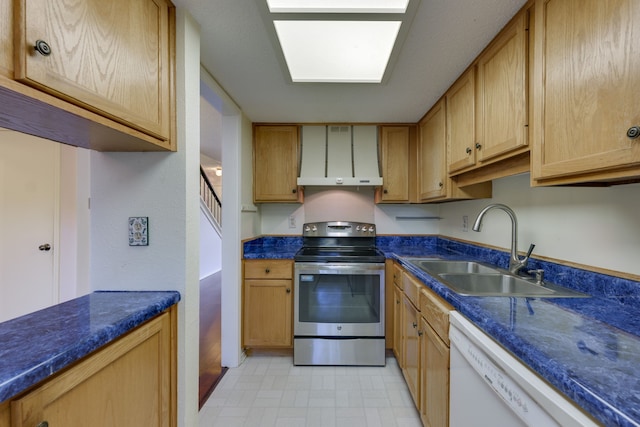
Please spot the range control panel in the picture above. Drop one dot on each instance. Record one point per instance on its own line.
(339, 229)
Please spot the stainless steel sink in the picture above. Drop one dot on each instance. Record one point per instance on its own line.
(498, 284)
(434, 267)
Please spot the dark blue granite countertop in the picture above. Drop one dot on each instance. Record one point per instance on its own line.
(37, 345)
(588, 348)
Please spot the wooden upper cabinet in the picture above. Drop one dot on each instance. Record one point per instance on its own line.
(587, 80)
(275, 163)
(432, 154)
(502, 93)
(461, 138)
(434, 183)
(395, 148)
(6, 38)
(110, 57)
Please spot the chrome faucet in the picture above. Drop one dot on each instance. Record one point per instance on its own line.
(515, 263)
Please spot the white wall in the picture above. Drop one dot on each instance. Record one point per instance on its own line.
(349, 204)
(164, 187)
(592, 226)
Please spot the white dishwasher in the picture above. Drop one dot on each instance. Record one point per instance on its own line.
(490, 387)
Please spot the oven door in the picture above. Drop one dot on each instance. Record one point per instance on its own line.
(339, 299)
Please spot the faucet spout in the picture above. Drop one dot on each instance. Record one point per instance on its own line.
(515, 262)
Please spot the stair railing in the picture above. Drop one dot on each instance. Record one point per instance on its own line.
(210, 198)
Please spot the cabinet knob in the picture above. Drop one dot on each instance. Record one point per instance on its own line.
(478, 146)
(420, 333)
(42, 48)
(294, 191)
(633, 132)
(385, 191)
(45, 247)
(415, 325)
(468, 150)
(266, 270)
(440, 184)
(43, 424)
(288, 290)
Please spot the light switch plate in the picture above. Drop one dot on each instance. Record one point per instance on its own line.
(139, 231)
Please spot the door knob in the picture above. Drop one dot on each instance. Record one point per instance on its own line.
(45, 247)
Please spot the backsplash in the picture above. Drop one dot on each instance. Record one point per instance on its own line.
(626, 291)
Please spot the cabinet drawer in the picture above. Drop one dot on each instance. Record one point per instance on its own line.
(397, 274)
(268, 269)
(411, 287)
(435, 310)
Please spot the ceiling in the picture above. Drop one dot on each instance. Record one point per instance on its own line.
(238, 49)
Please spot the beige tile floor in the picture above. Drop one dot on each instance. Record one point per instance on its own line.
(267, 390)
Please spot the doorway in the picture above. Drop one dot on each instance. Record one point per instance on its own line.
(29, 210)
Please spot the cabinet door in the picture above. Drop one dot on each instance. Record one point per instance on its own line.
(411, 349)
(434, 383)
(395, 153)
(502, 96)
(128, 383)
(275, 163)
(397, 325)
(461, 139)
(586, 80)
(267, 313)
(112, 57)
(6, 38)
(432, 155)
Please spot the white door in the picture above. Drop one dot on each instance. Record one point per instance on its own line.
(29, 188)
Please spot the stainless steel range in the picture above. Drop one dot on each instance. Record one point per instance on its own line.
(339, 296)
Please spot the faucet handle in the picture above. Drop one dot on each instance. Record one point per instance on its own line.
(531, 246)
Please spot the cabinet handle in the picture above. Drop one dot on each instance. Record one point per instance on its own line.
(420, 333)
(468, 150)
(633, 132)
(415, 325)
(43, 424)
(45, 247)
(288, 290)
(42, 48)
(440, 184)
(478, 146)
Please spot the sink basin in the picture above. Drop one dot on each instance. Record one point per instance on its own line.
(435, 267)
(506, 285)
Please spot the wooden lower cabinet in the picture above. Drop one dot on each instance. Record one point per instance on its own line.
(411, 348)
(397, 325)
(421, 346)
(130, 382)
(268, 303)
(434, 378)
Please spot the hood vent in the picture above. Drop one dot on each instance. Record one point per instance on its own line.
(340, 155)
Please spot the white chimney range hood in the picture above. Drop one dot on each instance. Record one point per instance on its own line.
(339, 155)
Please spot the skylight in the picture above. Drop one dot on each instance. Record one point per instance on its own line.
(337, 51)
(338, 41)
(338, 6)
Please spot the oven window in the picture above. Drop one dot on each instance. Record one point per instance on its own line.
(339, 298)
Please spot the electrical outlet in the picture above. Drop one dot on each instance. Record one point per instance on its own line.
(465, 223)
(292, 221)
